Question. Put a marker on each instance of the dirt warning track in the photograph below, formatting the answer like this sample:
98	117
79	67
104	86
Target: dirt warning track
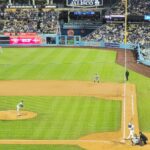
108	91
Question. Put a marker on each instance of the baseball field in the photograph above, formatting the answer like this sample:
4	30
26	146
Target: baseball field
70	111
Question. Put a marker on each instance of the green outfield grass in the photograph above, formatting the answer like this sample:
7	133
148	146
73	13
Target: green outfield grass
143	95
73	64
39	147
61	117
58	64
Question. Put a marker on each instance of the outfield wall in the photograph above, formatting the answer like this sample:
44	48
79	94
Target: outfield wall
56	40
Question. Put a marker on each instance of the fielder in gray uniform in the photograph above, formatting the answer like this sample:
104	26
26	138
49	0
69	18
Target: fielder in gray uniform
96	78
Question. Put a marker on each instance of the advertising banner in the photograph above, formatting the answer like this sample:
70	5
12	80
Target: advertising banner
20	34
28	34
25	40
112	45
84	3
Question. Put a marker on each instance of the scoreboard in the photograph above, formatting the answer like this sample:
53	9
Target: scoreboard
84	3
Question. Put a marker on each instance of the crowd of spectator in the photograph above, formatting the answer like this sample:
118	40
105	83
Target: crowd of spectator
139	7
107	33
30	20
139	33
111	32
1	17
117	9
135	7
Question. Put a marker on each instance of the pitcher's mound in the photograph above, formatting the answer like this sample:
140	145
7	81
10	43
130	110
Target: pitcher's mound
12	115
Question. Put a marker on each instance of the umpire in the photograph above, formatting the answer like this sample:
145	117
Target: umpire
143	138
127	75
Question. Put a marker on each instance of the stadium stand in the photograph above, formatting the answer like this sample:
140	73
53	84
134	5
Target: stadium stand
135	7
139	7
139	33
108	33
31	20
116	9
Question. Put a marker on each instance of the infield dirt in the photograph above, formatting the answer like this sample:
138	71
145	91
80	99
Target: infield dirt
97	141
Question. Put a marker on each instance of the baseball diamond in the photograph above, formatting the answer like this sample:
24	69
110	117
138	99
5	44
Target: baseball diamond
74	74
70	111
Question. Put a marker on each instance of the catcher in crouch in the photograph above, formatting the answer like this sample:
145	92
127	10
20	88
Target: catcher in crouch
18	107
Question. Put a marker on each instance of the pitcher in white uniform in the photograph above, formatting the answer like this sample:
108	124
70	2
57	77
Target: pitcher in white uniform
18	107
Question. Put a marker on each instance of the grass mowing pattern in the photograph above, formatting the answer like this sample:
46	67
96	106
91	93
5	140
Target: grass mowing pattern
61	117
58	64
39	147
73	64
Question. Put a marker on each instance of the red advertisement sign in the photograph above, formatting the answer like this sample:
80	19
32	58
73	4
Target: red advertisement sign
25	40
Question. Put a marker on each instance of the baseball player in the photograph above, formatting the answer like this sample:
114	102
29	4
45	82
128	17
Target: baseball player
18	107
131	129
96	78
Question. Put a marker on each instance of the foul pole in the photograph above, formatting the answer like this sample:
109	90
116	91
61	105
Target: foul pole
125	68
